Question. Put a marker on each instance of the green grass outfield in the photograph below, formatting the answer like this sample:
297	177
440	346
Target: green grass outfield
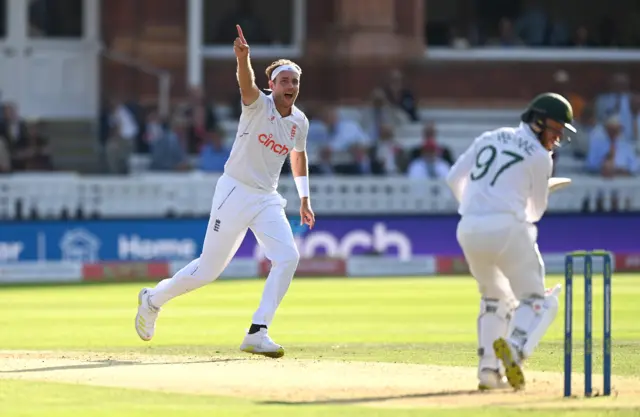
394	321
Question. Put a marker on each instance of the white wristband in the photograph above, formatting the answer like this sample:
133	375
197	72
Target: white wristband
302	184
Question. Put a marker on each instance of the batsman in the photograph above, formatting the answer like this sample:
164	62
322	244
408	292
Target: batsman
502	183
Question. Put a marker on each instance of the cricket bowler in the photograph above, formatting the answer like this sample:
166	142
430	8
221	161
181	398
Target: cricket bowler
502	184
271	128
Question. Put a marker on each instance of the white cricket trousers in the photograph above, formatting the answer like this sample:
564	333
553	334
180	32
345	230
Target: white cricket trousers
237	207
503	256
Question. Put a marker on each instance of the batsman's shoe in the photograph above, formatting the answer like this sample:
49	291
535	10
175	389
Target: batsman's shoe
490	379
147	315
511	361
260	343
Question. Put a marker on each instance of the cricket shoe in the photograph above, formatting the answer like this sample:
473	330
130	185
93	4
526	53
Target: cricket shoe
490	379
147	315
260	343
511	361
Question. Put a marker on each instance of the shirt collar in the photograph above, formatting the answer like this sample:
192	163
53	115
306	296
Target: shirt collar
530	133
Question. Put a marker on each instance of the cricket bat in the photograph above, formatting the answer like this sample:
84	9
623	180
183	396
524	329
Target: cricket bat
558	183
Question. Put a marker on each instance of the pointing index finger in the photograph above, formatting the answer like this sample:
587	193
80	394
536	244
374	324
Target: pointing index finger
240	34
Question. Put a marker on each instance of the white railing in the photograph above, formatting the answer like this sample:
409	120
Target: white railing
164	77
68	195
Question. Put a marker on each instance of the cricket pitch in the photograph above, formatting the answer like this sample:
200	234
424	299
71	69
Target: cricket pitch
295	381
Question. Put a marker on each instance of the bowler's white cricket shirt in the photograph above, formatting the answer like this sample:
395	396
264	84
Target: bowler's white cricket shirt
263	141
504	171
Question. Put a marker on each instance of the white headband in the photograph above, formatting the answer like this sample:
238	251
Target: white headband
281	68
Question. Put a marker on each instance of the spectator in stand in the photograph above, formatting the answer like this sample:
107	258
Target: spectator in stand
610	155
5	157
202	117
169	152
32	152
507	37
13	128
214	154
138	114
582	38
318	135
558	35
381	112
324	166
429	136
121	141
104	131
635	126
343	132
531	25
154	128
617	101
388	153
362	162
429	165
400	95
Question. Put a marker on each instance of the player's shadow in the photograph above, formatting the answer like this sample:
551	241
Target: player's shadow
109	363
347	401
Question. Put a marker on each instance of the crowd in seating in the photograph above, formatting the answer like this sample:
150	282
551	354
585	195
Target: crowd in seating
127	129
193	137
608	139
366	142
370	141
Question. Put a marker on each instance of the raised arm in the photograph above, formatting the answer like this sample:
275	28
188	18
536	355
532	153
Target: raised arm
246	78
300	171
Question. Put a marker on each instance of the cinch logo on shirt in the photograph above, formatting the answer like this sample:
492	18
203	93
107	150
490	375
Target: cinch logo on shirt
268	142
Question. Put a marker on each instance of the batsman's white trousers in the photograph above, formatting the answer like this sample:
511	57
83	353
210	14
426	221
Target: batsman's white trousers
503	256
237	207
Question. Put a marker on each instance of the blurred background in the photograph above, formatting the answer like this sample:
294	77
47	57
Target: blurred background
118	116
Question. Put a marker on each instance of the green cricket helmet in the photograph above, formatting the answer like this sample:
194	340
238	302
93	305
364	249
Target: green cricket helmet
550	106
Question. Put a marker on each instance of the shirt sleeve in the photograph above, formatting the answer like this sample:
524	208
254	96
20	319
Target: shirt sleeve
257	106
301	140
540	174
458	175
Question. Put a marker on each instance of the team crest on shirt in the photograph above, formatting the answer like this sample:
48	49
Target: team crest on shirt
293	131
272	118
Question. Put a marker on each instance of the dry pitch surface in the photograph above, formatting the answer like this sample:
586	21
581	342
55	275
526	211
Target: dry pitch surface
290	381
